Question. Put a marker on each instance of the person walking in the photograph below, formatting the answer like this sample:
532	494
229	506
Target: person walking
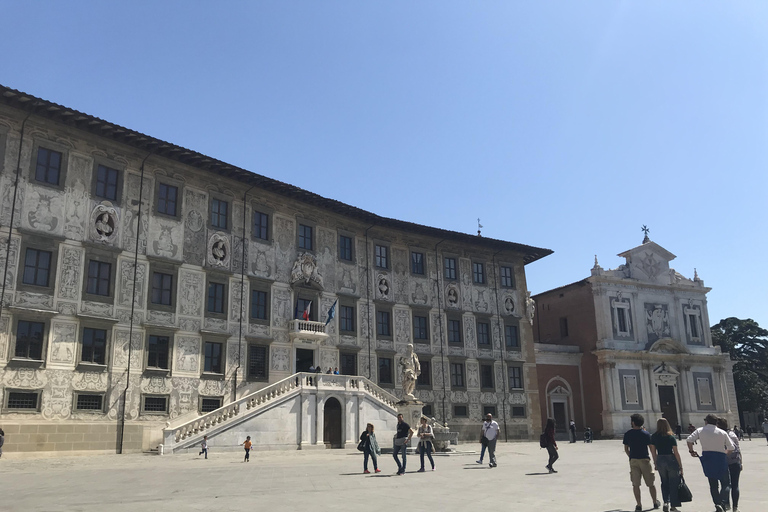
636	442
716	444
666	460
749	432
2	441
734	464
402	437
679	432
370	449
483	444
426	436
572	428
549	434
491	433
765	428
247	444
204	447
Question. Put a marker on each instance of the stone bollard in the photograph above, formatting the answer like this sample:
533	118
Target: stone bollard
160	449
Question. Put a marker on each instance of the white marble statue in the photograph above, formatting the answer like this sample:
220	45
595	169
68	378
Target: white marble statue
411	370
530	307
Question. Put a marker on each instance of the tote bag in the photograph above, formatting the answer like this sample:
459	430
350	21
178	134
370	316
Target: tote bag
683	492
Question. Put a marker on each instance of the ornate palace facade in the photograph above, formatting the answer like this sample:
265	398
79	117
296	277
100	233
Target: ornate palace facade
148	284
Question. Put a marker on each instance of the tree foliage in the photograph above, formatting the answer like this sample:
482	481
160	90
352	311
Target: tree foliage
747	343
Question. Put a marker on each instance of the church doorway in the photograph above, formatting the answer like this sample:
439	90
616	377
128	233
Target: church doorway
668	404
332	424
558	409
304	359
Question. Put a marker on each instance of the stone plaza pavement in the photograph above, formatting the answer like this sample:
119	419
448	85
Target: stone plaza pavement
592	477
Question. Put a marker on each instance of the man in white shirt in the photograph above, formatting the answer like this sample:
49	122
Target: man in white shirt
491	433
716	444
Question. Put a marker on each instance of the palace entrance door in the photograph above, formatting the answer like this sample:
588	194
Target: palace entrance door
668	405
304	359
558	408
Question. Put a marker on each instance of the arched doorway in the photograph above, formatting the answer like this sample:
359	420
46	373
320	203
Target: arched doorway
332	423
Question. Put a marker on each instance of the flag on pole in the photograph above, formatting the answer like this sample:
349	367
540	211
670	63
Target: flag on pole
331	313
305	315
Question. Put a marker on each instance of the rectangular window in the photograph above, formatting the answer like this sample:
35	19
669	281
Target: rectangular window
510	336
29	340
460	411
303	305
483	333
347	319
219	213
94	346
621	317
213	357
216	298
209	404
257	362
518	412
507	278
450	268
162	288
515	377
381	253
454	331
37	267
692	322
157	352
48	167
89	402
489	409
348	363
261	225
155	404
345	248
417	263
99	277
486	376
23	400
385	370
259	305
425	378
457	375
106	182
167	197
383	325
305	237
563	327
478	273
420	332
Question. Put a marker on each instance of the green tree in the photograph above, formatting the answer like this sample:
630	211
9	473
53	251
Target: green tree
747	343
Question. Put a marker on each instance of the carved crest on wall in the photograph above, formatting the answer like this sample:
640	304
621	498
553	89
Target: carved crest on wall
103	225
305	269
219	250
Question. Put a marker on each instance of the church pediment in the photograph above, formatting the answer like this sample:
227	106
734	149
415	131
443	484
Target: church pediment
649	262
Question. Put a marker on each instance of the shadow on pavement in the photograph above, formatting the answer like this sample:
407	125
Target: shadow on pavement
535	474
477	467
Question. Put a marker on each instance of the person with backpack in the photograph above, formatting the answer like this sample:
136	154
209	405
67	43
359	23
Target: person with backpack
548	441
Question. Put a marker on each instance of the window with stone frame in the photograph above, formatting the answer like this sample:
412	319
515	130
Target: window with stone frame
457	375
22	400
154	404
163	289
348	363
345	248
210	403
693	325
219	214
515	377
259	304
486	376
449	268
478	272
511	337
424	380
217	298
89	402
347	318
308	304
106	183
94	344
483	333
417	263
99	278
460	411
167	199
30	340
454	331
518	411
507	277
258	362
260	225
381	256
158	352
48	166
489	409
214	357
622	319
36	270
383	323
37	267
385	370
306	240
420	328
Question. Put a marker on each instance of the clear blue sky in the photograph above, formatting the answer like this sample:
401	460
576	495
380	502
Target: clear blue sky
565	125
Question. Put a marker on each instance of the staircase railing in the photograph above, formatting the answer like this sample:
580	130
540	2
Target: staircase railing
264	396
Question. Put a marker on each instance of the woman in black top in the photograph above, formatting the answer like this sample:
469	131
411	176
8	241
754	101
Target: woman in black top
666	460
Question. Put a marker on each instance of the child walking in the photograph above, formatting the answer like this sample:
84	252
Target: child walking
247	445
204	447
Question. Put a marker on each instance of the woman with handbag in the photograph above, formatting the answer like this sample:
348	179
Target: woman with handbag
426	436
666	460
370	448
